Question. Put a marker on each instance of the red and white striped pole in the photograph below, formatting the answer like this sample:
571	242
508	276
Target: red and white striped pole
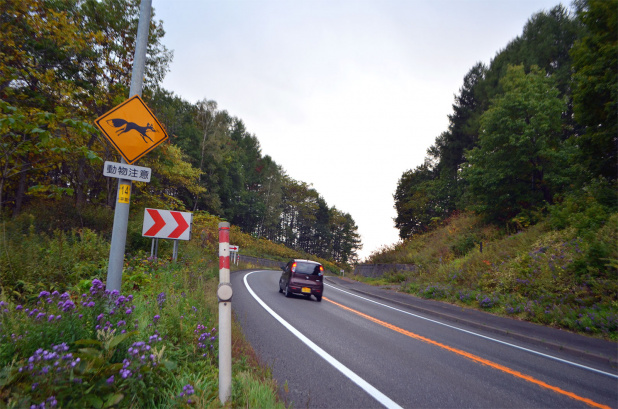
224	294
224	251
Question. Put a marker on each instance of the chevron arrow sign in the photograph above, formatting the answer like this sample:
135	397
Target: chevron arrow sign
167	224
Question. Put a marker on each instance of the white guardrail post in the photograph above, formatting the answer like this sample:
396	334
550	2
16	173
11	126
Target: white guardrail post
224	294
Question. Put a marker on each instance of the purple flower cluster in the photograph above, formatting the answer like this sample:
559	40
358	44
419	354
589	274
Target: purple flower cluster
140	355
118	306
465	296
486	301
3	307
161	300
187	391
50	366
434	291
513	309
51	401
97	288
50	307
205	339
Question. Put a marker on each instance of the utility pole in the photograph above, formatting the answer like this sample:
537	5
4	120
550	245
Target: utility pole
121	213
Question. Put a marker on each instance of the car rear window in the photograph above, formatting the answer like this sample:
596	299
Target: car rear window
307	268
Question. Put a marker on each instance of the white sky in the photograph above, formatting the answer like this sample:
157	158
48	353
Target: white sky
345	95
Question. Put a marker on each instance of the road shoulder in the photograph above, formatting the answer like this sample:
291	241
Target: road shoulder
593	349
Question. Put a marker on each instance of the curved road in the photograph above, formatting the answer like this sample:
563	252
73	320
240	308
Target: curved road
352	351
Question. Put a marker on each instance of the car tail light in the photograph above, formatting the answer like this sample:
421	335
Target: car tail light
293	268
321	270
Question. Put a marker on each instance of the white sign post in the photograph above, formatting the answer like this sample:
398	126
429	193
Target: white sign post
234	253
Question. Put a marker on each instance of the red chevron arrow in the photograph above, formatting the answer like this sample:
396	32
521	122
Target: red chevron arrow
159	223
182	225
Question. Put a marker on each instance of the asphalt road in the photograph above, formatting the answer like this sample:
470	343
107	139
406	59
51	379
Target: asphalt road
354	350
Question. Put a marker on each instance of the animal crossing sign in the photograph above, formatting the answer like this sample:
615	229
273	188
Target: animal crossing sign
132	128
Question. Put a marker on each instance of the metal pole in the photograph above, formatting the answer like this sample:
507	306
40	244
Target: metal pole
121	213
224	294
175	253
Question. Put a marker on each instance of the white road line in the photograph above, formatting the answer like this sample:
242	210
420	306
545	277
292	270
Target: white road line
479	335
376	394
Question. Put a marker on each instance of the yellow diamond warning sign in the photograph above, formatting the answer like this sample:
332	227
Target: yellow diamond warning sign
132	128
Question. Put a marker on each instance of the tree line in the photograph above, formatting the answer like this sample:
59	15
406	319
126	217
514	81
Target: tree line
536	124
63	63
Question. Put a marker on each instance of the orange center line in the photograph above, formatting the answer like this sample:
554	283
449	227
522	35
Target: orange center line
473	357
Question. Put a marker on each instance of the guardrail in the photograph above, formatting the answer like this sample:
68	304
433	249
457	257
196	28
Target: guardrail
261	262
366	270
378	270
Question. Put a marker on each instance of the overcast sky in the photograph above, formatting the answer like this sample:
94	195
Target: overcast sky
345	95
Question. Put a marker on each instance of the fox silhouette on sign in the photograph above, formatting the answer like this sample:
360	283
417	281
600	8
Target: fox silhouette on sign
126	126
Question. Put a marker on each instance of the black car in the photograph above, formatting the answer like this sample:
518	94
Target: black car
302	277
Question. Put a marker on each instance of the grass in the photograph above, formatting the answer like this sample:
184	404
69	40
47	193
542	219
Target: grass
562	277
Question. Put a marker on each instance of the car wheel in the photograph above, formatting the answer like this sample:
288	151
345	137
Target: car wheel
288	293
318	297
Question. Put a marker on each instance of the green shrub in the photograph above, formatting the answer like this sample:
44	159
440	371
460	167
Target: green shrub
464	244
586	210
55	259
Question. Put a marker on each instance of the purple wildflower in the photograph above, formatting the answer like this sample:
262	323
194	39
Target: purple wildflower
161	300
188	389
97	287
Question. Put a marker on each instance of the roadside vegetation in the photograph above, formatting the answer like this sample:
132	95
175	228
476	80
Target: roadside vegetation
561	271
527	166
66	342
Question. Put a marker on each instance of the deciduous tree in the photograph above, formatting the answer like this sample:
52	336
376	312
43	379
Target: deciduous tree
520	161
595	86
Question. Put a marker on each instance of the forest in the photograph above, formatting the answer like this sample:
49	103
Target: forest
534	129
65	63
